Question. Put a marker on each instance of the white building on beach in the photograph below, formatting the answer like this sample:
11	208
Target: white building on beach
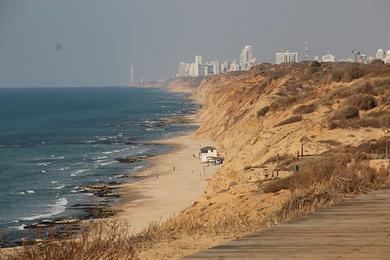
207	152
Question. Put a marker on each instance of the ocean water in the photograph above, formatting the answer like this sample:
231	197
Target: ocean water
55	140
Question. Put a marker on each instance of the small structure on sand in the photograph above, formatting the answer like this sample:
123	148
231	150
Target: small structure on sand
207	152
216	160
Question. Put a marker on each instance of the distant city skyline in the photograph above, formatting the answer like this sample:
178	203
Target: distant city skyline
94	42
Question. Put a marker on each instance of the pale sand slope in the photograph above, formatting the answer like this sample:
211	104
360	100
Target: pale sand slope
156	199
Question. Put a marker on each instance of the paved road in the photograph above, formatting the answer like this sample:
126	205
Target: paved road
358	228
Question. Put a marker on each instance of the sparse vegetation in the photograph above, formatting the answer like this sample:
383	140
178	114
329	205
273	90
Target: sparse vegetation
305	109
362	101
290	120
315	64
262	112
321	181
348	112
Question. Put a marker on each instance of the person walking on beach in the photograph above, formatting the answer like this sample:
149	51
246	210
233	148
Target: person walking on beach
174	168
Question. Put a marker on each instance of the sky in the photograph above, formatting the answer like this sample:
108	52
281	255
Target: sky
55	43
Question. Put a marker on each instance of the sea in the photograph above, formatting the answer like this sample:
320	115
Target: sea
54	141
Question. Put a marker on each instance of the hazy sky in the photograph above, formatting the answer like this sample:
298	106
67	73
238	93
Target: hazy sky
93	42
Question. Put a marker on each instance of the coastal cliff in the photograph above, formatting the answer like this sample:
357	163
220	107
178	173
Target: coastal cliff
295	137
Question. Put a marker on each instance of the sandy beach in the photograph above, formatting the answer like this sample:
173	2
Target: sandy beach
171	183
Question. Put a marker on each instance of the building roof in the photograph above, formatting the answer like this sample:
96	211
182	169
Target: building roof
207	148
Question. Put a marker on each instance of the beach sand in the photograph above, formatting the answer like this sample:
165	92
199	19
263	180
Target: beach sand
169	185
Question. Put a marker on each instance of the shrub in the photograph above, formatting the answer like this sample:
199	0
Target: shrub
340	92
377	62
385	121
385	100
348	112
262	112
289	120
305	109
370	122
337	76
363	102
315	64
366	88
356	72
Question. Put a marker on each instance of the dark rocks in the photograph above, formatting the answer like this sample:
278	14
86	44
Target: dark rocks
129	159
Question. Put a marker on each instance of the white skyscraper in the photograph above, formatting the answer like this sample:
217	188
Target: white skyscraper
283	56
198	60
216	67
247	59
380	54
387	59
183	70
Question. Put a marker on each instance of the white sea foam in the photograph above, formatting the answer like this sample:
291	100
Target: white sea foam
100	158
30	191
59	187
21	227
76	173
58	207
54	182
107	163
44	164
109	152
43	171
22	193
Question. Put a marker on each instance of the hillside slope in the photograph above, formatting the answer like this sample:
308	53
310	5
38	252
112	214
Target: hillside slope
260	119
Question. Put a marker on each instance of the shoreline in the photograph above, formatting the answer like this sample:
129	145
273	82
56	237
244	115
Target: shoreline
122	192
170	184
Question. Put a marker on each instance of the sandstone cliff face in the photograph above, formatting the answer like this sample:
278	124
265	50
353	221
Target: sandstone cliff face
241	112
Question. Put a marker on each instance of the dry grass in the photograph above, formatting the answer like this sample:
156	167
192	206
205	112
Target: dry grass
305	109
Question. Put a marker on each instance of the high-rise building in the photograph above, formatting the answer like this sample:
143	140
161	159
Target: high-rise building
247	59
224	67
283	56
208	69
132	76
234	66
216	67
198	60
183	70
328	57
387	59
380	54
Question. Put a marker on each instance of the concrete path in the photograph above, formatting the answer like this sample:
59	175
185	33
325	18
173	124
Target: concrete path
358	228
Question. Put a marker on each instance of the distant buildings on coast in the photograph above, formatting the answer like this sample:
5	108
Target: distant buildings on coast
283	56
247	60
200	69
